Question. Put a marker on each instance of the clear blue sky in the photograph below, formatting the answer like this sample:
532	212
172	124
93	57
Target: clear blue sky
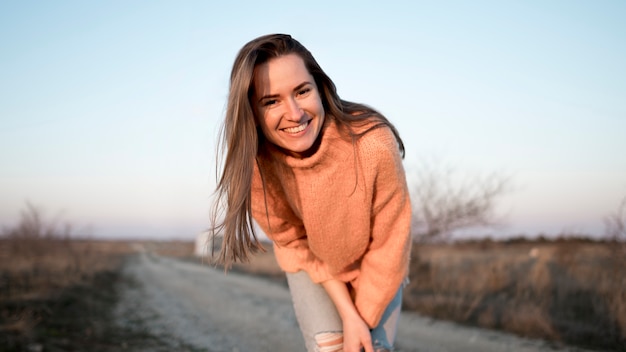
109	110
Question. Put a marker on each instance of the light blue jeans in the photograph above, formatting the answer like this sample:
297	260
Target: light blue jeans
319	320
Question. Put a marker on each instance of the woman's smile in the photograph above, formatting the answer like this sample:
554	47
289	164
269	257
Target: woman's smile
296	129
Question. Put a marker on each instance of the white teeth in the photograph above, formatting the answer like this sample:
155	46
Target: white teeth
297	128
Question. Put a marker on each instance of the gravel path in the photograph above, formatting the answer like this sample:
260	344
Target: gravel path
192	307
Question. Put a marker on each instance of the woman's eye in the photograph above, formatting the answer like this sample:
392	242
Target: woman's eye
269	102
304	91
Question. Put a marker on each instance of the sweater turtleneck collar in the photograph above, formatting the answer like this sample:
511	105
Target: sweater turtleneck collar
329	149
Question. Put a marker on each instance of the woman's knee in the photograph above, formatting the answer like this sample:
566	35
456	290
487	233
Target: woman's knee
329	341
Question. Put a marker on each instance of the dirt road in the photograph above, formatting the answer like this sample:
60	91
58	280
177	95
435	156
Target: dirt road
194	307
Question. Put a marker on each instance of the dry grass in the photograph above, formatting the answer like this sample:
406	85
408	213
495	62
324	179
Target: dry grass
32	268
566	291
50	283
173	249
39	279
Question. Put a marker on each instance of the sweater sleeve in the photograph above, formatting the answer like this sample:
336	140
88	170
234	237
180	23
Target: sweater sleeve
385	264
271	211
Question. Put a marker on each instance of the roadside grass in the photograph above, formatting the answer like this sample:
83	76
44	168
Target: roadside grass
57	293
566	291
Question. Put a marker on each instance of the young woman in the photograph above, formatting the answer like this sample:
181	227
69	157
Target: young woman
323	178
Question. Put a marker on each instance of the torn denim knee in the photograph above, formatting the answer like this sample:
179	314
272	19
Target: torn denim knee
331	341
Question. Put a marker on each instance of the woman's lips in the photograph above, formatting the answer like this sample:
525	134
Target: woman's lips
296	129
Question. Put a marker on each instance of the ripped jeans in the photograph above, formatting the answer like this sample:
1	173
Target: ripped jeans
320	322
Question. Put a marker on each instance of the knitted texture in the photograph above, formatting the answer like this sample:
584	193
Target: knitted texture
343	213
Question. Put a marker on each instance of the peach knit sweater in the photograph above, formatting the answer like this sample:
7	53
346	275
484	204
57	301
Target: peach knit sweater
342	213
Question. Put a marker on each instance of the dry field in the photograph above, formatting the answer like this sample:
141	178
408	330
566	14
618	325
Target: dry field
568	291
58	293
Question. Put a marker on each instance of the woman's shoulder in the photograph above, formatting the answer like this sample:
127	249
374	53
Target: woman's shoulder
378	138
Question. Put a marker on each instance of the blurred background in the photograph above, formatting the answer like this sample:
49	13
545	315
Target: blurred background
109	111
512	113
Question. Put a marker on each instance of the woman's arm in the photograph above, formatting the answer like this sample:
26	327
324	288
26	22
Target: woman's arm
385	264
356	333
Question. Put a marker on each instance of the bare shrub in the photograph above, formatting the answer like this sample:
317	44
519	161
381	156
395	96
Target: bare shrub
444	201
615	224
615	230
36	247
33	226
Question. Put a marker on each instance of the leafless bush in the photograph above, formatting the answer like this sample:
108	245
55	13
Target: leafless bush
444	201
615	230
615	224
38	255
30	237
32	226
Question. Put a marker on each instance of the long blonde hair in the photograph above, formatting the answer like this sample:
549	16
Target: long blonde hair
240	140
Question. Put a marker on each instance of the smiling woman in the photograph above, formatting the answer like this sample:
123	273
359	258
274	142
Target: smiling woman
323	178
287	104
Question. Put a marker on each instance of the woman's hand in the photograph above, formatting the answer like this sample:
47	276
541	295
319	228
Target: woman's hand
356	333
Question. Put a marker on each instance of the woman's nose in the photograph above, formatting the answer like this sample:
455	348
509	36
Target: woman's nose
294	112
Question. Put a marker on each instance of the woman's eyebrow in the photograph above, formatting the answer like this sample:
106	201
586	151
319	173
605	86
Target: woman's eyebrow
269	96
272	96
299	86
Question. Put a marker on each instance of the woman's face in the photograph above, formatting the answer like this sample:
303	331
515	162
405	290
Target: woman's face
287	103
